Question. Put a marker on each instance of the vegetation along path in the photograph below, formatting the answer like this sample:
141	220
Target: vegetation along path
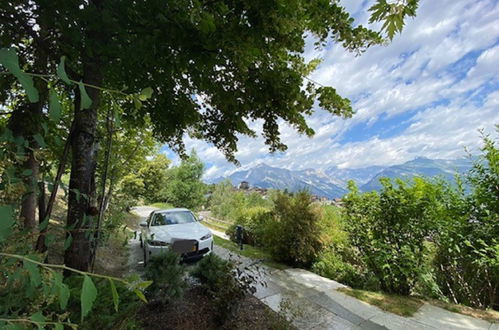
314	302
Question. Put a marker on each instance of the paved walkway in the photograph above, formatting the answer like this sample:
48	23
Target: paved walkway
313	302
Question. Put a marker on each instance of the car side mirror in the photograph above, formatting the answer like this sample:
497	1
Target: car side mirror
200	218
143	224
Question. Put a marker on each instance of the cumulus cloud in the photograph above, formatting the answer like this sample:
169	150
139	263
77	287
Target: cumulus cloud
440	78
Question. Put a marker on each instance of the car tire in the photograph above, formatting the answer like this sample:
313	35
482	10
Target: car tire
145	256
141	242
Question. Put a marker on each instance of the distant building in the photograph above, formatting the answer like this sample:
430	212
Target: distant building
338	202
244	185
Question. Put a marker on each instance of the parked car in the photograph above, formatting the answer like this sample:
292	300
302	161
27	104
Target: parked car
176	229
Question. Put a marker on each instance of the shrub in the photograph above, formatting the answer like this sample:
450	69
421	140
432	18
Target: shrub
255	221
223	283
389	230
467	258
294	235
331	265
167	275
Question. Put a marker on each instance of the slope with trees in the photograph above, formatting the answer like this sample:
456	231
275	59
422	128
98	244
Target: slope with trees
78	75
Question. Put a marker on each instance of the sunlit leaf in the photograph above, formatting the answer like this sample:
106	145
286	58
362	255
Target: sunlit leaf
54	107
114	292
144	285
140	295
9	59
61	71
137	103
145	94
85	101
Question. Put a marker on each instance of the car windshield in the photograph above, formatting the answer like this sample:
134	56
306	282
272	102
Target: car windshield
173	218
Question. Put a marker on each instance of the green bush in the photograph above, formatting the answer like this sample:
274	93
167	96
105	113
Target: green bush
389	230
331	265
467	258
223	283
167	275
254	221
294	235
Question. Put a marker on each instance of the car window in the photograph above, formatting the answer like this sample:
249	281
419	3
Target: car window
172	218
158	220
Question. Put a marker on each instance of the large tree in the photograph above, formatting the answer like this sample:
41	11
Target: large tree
212	66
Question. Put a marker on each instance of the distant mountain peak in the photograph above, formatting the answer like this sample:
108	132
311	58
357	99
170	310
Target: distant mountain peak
332	181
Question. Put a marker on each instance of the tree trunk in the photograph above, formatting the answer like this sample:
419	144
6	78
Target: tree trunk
40	243
81	206
25	122
47	211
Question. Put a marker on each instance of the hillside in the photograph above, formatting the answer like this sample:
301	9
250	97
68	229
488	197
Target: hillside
423	167
332	182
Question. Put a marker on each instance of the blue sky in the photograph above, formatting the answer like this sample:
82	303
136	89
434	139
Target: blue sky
425	94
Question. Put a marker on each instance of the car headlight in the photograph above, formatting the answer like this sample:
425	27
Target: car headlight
158	243
206	236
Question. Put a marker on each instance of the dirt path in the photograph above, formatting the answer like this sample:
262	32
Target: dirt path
136	256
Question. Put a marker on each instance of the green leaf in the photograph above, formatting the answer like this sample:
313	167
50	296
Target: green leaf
27	172
116	298
137	103
62	290
40	140
88	295
145	94
9	59
68	241
58	326
7	216
54	107
140	295
85	101
49	239
34	272
61	71
43	225
39	318
144	285
64	294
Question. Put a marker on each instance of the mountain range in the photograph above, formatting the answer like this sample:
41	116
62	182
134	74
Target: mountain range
332	182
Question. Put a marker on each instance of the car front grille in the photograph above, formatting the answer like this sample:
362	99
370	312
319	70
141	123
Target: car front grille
196	253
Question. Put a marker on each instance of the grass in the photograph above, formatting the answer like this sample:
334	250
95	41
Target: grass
400	305
248	251
214	226
487	315
161	205
407	306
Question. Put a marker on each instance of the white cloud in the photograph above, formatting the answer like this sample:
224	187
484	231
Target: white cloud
415	77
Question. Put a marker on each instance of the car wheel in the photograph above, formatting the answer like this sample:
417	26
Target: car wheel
145	256
140	239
